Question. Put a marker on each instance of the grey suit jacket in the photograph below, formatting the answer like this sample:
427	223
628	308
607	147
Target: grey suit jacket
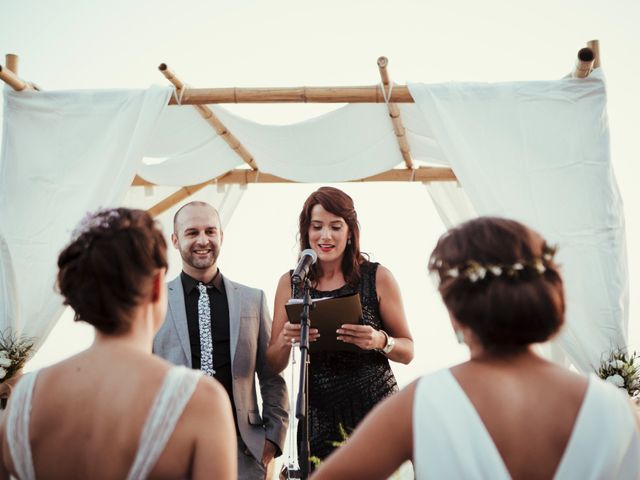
250	330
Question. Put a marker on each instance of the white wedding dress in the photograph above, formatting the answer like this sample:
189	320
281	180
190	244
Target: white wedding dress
174	394
450	440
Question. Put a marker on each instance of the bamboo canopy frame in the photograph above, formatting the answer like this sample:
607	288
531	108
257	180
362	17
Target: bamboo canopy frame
587	59
394	113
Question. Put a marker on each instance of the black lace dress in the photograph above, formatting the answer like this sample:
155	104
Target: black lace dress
345	386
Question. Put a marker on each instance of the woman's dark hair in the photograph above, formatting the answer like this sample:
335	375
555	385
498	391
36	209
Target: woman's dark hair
106	269
339	203
498	277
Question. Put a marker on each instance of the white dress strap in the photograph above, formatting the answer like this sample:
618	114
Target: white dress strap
176	390
18	427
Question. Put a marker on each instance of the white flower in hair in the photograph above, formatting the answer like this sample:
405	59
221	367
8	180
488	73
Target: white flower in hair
540	268
616	364
496	270
482	272
518	266
453	273
3	373
616	379
5	362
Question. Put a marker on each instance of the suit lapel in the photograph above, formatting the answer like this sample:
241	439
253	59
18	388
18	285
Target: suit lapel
178	315
234	300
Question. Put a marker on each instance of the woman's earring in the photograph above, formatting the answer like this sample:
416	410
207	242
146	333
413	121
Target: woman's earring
460	336
349	241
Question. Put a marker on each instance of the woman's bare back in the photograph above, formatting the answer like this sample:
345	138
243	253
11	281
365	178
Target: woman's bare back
528	406
88	414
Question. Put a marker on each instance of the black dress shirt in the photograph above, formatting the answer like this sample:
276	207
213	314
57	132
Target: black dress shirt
219	327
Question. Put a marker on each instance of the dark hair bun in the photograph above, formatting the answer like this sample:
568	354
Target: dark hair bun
498	277
106	269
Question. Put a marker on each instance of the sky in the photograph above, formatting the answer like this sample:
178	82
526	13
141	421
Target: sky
86	44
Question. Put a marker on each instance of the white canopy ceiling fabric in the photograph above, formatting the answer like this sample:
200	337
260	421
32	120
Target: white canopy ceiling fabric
348	143
63	154
539	152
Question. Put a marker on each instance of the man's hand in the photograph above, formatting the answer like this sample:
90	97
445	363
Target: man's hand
269	452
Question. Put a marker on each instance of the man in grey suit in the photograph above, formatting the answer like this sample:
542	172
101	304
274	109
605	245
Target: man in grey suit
223	328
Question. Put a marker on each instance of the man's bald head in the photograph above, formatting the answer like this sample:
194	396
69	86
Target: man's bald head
184	211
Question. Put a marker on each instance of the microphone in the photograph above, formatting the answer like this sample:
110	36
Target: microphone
307	258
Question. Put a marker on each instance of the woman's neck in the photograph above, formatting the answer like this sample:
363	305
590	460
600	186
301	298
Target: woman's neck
139	336
332	276
331	269
485	356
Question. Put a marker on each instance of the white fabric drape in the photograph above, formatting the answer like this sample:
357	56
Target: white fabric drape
9	302
451	202
539	152
534	151
348	143
63	154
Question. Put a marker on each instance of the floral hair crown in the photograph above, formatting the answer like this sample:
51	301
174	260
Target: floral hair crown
100	220
475	271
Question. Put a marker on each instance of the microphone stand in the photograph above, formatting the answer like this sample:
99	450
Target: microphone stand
302	402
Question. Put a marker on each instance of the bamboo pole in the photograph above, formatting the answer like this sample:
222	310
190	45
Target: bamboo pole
584	63
211	119
15	82
594	45
365	94
175	198
11	61
245	176
394	113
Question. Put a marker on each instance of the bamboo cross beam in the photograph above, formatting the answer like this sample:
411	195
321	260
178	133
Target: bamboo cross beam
366	94
175	198
394	113
211	119
244	176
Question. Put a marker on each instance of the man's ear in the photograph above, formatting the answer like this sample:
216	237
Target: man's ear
174	241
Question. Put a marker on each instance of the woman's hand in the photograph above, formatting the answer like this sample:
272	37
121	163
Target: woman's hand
364	336
290	334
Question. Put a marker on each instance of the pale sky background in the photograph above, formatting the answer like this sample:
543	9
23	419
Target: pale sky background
86	44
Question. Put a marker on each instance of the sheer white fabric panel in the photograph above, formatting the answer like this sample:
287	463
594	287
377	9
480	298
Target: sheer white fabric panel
349	143
9	306
185	150
451	202
539	152
63	154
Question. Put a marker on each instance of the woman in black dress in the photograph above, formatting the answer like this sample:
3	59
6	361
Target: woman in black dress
343	386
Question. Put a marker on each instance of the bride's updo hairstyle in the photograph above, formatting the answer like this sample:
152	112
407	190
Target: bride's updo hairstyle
107	268
498	277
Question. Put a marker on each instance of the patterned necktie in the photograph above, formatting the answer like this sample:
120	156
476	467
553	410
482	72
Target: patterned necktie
206	341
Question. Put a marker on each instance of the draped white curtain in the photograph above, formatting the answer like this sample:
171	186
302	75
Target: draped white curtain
539	152
63	154
534	151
